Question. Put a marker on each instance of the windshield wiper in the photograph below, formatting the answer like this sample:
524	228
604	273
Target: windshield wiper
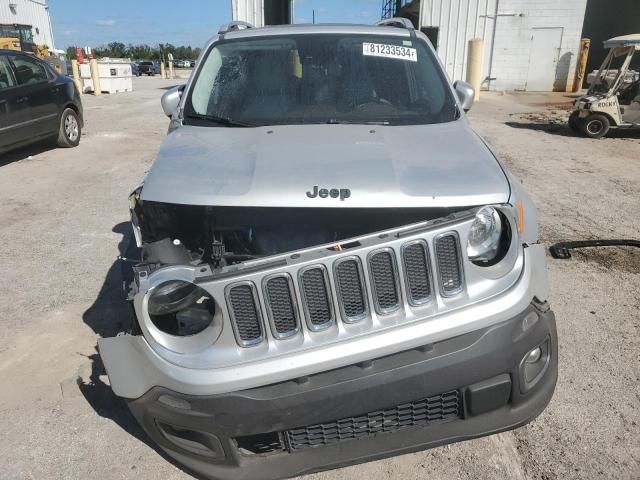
335	121
229	122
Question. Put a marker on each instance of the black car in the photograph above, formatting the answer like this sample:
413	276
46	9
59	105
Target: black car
36	103
149	68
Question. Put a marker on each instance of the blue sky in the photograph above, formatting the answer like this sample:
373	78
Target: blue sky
186	22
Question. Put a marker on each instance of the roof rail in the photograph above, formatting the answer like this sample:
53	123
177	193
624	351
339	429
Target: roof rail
396	22
232	26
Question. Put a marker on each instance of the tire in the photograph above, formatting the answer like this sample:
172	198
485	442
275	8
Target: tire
70	129
595	125
574	122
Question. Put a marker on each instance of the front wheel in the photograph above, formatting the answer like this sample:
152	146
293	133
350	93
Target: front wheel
70	130
595	126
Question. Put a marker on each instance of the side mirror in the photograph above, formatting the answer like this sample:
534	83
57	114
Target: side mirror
171	99
466	94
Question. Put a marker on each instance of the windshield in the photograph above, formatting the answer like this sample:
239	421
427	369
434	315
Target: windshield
322	78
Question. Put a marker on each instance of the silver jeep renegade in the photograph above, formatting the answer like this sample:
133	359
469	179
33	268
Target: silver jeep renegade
334	267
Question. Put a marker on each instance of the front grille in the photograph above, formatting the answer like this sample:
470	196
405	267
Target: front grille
317	297
280	301
416	266
420	413
245	314
384	279
449	264
350	288
287	297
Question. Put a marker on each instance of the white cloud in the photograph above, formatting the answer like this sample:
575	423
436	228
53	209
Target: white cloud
106	22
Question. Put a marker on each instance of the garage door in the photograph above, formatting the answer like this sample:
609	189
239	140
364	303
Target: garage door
543	59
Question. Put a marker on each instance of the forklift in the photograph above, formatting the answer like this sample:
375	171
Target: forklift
613	98
20	39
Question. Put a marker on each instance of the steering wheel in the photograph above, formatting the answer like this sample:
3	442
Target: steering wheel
374	100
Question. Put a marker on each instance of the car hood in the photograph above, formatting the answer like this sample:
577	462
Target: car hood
443	165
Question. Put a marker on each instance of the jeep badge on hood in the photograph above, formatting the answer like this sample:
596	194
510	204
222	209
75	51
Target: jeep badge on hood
341	193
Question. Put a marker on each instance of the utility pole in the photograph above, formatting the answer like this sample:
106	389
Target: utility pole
314	16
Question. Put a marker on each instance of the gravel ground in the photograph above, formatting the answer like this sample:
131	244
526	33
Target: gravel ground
63	214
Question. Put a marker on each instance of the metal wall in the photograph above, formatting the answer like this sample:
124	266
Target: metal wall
251	11
29	12
605	19
262	12
459	21
507	28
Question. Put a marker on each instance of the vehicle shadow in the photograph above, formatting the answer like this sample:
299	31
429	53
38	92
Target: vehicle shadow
562	129
110	314
552	128
26	152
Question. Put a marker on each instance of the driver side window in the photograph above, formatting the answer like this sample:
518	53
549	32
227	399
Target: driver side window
6	76
29	71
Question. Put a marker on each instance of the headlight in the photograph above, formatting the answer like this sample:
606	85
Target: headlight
485	235
180	308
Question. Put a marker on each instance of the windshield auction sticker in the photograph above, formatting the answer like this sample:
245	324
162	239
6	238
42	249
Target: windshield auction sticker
389	51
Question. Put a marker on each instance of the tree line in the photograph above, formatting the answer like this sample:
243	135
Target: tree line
141	52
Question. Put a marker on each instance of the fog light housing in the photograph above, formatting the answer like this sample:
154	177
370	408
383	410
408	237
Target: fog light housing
533	356
534	364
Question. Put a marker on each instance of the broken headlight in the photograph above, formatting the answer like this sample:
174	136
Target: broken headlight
134	205
180	308
487	237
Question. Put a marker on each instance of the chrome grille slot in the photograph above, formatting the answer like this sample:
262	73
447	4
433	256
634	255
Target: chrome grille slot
316	297
280	301
244	309
352	296
449	264
384	279
417	271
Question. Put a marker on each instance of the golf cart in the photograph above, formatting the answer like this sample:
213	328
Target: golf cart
613	98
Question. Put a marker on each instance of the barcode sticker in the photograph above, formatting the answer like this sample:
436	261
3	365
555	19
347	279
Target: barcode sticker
389	51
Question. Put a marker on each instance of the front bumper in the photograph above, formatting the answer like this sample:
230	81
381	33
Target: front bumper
224	435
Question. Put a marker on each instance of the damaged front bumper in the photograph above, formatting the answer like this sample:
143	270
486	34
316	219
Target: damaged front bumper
448	391
222	408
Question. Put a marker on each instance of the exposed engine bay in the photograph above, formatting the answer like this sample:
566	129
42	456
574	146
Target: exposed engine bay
223	236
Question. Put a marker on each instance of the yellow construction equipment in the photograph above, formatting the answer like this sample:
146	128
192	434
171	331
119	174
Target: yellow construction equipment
10	43
19	37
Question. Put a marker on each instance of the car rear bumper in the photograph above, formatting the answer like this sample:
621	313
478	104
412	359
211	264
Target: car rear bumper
457	389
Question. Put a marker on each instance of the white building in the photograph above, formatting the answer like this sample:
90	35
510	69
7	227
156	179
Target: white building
262	12
528	44
27	13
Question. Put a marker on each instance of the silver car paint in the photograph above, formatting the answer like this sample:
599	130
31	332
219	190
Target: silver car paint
134	367
408	166
430	165
212	348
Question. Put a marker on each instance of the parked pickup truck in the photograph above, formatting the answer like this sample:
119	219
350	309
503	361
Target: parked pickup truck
149	68
334	267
